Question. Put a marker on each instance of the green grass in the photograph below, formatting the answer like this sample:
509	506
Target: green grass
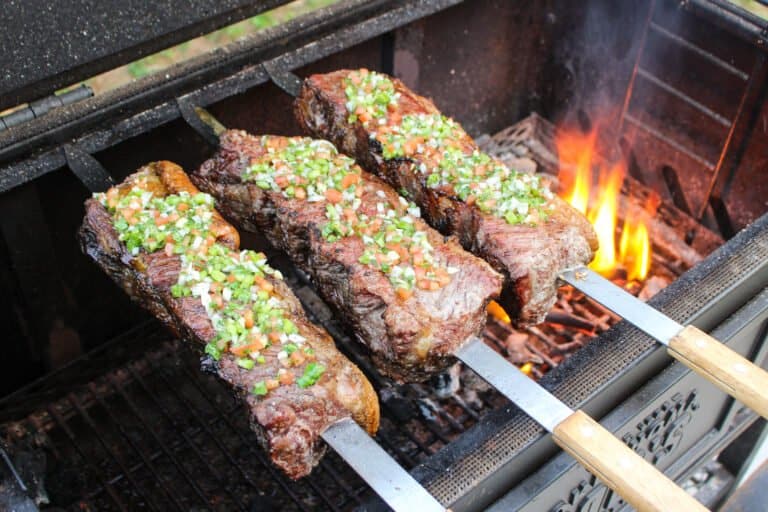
170	56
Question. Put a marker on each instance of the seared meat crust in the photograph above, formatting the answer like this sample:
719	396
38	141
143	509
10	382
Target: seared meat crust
411	338
289	420
529	256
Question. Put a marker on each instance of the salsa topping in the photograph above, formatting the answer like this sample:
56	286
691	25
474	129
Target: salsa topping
234	287
473	176
314	171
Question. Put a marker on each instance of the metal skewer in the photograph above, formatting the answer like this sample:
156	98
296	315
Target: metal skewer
697	350
620	468
732	373
385	476
613	462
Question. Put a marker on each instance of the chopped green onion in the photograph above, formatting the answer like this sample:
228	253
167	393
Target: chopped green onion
312	373
260	388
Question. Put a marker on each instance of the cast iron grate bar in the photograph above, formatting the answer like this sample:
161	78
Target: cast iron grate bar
107	449
94	470
137	414
667	140
717	61
203	424
696	105
280	479
146	461
183	431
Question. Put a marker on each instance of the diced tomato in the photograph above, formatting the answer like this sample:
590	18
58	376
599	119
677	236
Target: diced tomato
274	336
404	293
333	196
349	179
241	350
282	181
300	193
248	318
182	207
286	378
272	384
297	357
263	284
169	249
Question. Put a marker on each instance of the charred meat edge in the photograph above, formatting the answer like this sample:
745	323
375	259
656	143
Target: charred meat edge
530	257
289	420
410	339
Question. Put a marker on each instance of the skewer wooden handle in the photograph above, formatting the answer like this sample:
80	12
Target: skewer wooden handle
737	376
617	466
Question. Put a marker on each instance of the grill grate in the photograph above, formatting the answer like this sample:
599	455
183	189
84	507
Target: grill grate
156	433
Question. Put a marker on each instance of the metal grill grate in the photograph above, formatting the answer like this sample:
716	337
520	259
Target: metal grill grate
156	433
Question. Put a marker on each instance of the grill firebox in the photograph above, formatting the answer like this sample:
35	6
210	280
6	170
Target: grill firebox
134	423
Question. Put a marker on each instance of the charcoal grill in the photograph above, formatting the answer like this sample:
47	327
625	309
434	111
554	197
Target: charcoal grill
135	423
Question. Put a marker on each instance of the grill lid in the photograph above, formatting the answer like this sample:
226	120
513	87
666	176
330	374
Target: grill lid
49	45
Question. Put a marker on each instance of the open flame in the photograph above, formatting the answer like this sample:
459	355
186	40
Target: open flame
576	153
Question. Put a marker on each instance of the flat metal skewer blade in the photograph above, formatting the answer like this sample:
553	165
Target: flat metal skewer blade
614	298
537	402
216	127
385	476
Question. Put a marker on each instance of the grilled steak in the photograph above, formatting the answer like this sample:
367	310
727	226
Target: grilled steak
160	239
411	295
508	219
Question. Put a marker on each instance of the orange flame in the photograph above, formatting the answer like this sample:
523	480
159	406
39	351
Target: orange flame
603	218
576	153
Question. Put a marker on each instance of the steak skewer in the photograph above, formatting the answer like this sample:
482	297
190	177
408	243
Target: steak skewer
529	235
509	219
411	296
639	482
160	239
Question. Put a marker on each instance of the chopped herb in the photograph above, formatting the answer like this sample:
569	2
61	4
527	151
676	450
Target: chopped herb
393	242
248	364
312	373
234	287
260	388
473	176
212	350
